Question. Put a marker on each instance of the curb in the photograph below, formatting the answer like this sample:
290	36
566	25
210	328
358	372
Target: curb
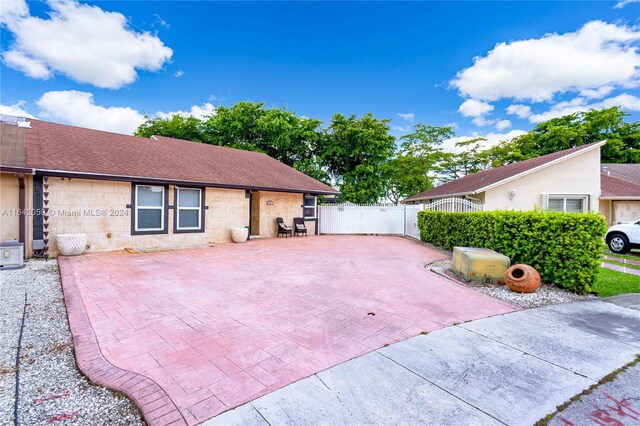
152	401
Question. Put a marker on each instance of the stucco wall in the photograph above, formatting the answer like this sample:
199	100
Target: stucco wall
9	206
9	221
227	208
577	175
285	205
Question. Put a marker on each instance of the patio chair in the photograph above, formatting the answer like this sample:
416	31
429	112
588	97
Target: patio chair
299	226
283	229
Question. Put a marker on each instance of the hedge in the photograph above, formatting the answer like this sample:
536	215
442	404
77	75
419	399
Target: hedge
565	248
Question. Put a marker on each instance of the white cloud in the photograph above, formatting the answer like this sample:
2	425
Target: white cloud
503	124
198	111
475	108
160	21
16	109
407	117
598	55
519	110
598	93
79	109
179	74
624	100
83	42
492	139
623	3
402	129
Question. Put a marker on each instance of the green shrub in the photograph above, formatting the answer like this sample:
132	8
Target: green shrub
566	248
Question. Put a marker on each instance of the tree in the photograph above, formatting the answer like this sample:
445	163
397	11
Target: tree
276	132
470	160
557	134
356	154
412	170
188	128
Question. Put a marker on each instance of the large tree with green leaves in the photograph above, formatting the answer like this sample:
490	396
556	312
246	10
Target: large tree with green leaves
356	153
623	138
250	126
412	169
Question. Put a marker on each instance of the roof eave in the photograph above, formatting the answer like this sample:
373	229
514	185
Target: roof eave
540	167
620	197
143	179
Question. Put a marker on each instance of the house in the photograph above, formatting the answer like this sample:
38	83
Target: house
568	180
126	191
620	192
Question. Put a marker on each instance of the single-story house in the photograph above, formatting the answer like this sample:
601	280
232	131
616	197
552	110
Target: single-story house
126	191
620	197
571	180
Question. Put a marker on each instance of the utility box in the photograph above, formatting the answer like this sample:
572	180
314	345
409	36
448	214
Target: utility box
11	255
480	265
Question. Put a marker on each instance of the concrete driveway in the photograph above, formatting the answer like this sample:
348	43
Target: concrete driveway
512	369
190	334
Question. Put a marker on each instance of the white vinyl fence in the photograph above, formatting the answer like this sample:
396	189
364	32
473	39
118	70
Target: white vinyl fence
361	219
383	219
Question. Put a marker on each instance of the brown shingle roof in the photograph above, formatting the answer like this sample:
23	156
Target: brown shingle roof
13	140
59	147
629	172
476	181
612	187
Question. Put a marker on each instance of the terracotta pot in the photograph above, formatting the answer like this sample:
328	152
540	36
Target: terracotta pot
522	278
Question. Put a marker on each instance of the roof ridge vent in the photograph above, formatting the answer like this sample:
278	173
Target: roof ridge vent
154	138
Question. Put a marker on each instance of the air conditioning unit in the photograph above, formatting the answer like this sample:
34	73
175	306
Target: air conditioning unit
11	255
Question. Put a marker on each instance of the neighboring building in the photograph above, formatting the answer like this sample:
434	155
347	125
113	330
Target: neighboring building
567	180
126	191
620	198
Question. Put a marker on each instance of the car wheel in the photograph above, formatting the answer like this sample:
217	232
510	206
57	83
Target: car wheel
618	243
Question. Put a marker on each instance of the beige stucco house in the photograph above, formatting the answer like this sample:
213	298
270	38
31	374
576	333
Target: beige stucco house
125	191
620	196
569	180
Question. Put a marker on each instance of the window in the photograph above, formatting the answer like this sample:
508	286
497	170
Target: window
568	204
149	208
188	209
310	206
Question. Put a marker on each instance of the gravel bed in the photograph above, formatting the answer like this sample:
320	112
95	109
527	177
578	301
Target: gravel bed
547	294
52	389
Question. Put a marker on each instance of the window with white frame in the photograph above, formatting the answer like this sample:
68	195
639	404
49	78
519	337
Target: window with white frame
567	203
188	209
149	208
310	206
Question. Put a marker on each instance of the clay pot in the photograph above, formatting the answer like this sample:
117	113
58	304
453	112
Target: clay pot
522	278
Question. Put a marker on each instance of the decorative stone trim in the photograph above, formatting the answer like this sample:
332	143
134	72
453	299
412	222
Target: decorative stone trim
154	403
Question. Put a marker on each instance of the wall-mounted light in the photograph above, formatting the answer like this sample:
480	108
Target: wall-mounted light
269	202
512	194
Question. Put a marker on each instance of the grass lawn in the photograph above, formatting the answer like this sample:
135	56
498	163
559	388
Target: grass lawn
633	254
609	283
628	265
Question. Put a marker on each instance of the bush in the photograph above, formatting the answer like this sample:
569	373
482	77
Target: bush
565	248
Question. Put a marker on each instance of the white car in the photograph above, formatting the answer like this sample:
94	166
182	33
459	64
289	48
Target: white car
622	238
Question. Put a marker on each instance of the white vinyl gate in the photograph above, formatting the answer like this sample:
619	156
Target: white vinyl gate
381	219
361	219
411	221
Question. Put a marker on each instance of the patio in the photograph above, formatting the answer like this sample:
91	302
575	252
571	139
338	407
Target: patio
190	334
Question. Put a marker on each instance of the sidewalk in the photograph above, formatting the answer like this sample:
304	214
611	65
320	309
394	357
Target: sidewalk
511	369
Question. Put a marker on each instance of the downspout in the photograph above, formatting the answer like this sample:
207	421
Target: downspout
22	207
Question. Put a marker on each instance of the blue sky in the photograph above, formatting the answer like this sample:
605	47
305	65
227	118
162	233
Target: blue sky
104	64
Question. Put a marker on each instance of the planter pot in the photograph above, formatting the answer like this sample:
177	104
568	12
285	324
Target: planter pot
71	244
239	235
522	279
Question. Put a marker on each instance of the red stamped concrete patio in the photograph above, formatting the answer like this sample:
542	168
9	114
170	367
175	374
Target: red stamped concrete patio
217	327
